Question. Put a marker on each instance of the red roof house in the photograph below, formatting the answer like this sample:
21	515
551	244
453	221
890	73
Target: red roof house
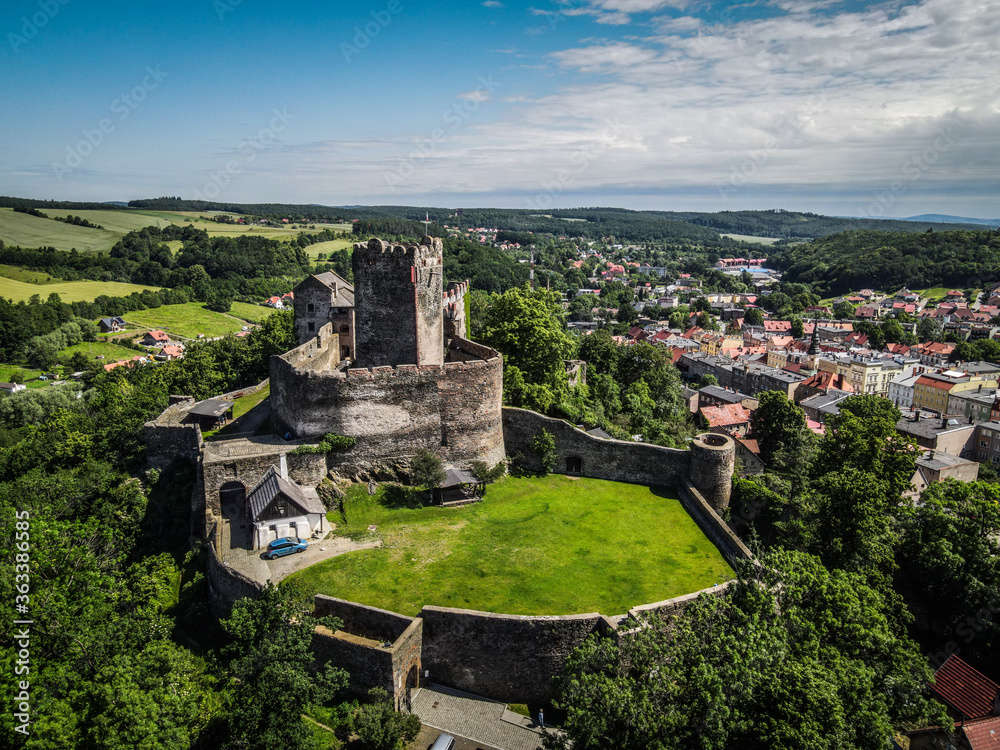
967	691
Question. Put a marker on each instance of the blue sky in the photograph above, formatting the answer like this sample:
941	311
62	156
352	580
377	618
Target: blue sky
844	108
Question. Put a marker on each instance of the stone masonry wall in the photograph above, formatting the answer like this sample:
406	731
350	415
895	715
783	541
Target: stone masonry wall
360	619
168	439
617	460
504	657
453	410
385	314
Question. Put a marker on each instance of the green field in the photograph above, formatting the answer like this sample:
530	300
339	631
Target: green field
119	222
29	231
250	313
23	274
543	546
110	352
25	230
68	291
749	238
185	321
936	293
27	375
328	247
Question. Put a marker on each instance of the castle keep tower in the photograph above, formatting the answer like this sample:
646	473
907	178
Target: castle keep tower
397	312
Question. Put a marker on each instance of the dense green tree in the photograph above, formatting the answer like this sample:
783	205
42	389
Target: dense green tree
776	424
380	727
427	470
951	545
753	317
527	328
271	637
776	662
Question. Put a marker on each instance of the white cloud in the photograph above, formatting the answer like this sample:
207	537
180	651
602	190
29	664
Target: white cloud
493	4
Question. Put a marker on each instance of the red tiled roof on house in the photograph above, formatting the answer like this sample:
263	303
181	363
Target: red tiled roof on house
983	734
158	336
935	383
968	691
750	444
729	415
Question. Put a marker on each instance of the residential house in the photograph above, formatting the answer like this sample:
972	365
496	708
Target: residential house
976	405
821	406
155	338
748	454
716	395
111	325
728	420
967	692
171	351
8	389
275	302
934	466
278	507
943	434
821	383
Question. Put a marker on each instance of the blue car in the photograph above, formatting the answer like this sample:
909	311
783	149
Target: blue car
288	545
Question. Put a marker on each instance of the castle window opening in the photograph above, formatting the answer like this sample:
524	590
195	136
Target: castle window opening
312	327
312	308
345	352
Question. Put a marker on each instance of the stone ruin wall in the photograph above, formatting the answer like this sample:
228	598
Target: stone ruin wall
397	303
453	410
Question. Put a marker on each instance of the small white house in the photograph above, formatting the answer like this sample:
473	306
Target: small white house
8	389
278	507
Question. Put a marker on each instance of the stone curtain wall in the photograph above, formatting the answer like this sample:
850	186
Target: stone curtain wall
710	466
360	650
453	410
504	657
616	460
168	439
360	619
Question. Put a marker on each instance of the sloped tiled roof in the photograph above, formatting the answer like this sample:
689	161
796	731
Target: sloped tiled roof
271	485
983	734
965	689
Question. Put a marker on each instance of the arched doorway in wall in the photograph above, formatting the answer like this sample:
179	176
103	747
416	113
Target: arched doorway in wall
574	465
412	682
233	501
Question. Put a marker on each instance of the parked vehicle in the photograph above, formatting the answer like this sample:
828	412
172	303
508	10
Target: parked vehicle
288	545
443	742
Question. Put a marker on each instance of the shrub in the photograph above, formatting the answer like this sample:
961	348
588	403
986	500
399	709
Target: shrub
543	445
482	471
331	443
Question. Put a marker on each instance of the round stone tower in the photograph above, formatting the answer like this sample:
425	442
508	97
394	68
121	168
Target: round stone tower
713	459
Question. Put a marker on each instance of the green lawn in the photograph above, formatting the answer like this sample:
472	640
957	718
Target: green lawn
328	247
542	546
250	313
68	291
111	352
27	375
185	321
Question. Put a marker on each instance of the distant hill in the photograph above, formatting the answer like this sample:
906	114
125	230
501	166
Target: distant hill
946	219
890	260
701	228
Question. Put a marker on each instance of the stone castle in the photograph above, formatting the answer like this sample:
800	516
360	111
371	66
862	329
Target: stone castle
386	361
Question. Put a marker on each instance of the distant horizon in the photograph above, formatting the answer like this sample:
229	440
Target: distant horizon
567	207
860	108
